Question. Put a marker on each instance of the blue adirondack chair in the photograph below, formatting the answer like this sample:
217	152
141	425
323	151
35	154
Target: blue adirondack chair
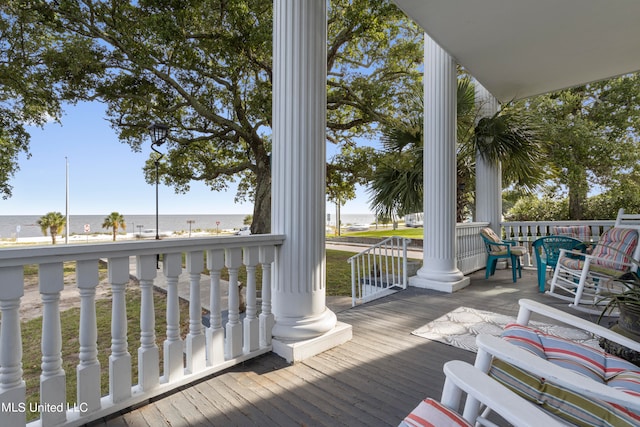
501	249
547	251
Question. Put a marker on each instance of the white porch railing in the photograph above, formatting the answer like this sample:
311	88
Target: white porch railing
471	254
379	270
201	353
519	229
526	232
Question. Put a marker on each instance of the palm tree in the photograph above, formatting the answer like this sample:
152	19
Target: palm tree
397	187
114	221
52	222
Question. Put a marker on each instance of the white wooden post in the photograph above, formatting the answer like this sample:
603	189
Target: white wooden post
215	331
196	353
233	344
12	386
488	174
266	316
120	359
148	354
173	345
251	323
52	379
88	370
299	153
439	270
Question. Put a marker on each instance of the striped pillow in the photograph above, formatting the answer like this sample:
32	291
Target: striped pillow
615	246
594	363
431	413
580	232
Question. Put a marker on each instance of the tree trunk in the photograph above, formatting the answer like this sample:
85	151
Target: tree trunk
262	202
578	189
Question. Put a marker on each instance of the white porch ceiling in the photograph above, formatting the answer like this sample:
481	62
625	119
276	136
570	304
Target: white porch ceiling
520	48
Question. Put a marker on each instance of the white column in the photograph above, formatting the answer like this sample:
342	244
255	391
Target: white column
298	170
215	332
173	345
439	270
233	342
148	352
88	370
267	319
195	342
488	175
12	385
53	378
251	324
120	358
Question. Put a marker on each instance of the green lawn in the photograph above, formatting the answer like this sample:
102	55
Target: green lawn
338	273
412	233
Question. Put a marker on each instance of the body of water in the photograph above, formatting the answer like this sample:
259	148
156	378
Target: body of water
26	225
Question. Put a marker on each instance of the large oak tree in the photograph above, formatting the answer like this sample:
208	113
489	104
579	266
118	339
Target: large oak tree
204	68
593	135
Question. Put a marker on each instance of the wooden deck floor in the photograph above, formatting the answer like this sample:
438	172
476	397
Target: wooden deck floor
373	380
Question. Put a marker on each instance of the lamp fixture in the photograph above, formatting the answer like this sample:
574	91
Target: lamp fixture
158	132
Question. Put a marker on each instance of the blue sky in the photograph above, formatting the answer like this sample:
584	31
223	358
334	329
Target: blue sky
105	175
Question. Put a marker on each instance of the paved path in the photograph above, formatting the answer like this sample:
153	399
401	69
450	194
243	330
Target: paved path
357	248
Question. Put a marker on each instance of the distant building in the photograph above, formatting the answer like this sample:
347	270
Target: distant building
414	220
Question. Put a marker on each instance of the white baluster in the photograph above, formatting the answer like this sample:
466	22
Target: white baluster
173	345
120	359
88	370
215	332
196	353
233	344
251	323
12	386
52	379
267	318
148	353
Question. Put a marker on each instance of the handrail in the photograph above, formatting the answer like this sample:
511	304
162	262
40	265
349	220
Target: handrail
378	269
202	352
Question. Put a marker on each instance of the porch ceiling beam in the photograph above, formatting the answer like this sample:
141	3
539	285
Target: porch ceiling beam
521	48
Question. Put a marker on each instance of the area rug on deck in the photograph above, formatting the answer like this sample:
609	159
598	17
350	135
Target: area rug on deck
459	328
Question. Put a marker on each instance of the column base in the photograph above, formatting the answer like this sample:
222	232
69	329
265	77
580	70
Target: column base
439	284
303	328
295	351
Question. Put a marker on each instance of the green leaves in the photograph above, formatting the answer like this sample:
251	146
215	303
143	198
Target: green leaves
28	94
592	135
53	222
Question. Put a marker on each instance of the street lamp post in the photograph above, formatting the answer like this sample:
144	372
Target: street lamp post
158	134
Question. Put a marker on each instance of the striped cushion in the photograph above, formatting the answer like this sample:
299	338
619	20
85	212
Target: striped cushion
572	407
580	232
431	413
615	246
594	363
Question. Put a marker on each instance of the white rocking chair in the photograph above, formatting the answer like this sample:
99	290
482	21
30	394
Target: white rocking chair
580	384
585	279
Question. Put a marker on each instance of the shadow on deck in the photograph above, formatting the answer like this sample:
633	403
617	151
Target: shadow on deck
373	380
